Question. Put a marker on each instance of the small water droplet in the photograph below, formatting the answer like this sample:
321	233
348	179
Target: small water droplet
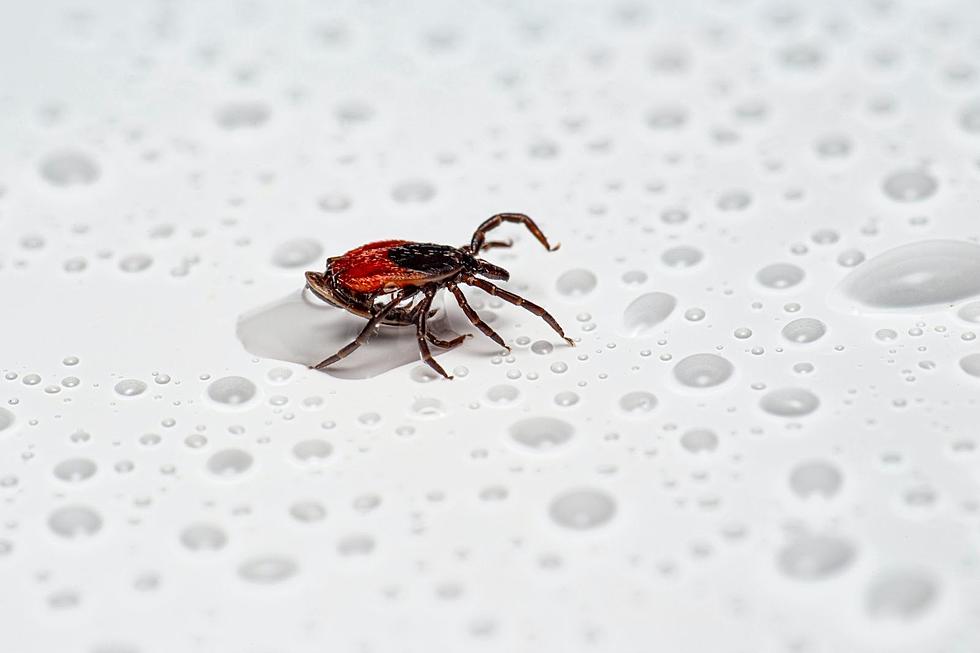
582	509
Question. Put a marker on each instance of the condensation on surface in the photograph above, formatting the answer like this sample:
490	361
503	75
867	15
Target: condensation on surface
764	438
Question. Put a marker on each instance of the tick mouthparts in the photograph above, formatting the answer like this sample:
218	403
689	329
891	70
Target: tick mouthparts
314	279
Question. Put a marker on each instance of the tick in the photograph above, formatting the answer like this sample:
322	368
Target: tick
393	282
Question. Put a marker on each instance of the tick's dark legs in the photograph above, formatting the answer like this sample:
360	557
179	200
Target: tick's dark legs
479	243
495	244
446	344
517	300
475	318
368	329
421	333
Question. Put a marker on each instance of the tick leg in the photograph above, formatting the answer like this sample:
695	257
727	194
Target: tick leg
420	331
517	300
475	318
479	243
495	244
446	344
367	331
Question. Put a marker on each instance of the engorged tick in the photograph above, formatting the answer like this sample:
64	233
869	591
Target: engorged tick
381	281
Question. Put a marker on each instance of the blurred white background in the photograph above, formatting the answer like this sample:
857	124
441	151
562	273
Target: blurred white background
765	439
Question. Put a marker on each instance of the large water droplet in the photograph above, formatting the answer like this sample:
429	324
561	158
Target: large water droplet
312	450
789	402
75	470
541	433
909	185
75	522
229	462
815	557
804	330
779	276
647	311
703	370
301	329
638	403
203	537
69	168
815	477
582	509
130	387
232	390
6	419
699	439
926	274
576	283
297	253
971	364
901	594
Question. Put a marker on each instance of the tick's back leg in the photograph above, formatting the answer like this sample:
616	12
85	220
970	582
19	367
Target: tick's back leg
421	334
447	344
367	331
517	300
475	318
479	243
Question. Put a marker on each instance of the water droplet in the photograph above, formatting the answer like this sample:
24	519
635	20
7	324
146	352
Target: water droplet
780	276
75	522
582	509
804	330
850	257
428	407
413	191
542	347
815	557
308	511
901	594
242	115
229	462
909	185
789	402
638	402
699	439
69	168
334	202
502	394
232	390
647	311
925	274
6	419
130	387
703	370
301	329
815	477
541	433
566	398
682	256
971	364
312	450
268	570
203	537
355	544
135	262
75	470
297	253
969	312
576	283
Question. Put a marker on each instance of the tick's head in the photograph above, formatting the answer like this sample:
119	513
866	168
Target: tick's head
489	270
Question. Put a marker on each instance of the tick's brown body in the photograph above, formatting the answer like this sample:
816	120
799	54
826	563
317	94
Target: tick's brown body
381	280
